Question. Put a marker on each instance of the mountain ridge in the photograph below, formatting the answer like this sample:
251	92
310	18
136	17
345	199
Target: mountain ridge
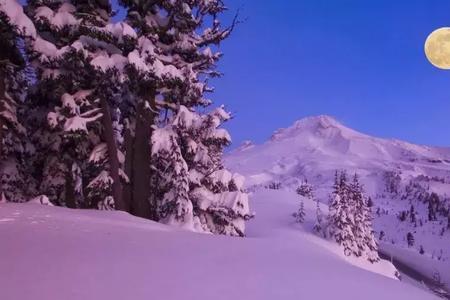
325	141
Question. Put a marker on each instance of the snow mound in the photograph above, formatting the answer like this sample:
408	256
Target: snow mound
50	252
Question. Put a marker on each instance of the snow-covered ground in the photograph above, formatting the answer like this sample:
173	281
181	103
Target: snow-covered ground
58	253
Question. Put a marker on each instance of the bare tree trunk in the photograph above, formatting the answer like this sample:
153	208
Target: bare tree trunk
108	135
141	161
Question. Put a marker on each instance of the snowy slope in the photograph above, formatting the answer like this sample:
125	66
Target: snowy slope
57	253
315	147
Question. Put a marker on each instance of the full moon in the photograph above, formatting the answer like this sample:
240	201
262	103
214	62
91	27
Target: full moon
437	48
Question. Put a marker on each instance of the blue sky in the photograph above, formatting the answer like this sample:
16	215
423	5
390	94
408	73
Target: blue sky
360	61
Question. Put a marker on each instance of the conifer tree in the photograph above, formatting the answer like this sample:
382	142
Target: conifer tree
117	114
410	239
341	221
79	60
16	30
318	225
364	233
300	214
350	219
305	190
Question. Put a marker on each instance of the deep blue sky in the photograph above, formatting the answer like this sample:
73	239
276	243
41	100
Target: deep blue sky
360	61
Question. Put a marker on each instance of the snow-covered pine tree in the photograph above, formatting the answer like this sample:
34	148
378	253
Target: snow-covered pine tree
305	190
318	224
16	30
147	76
300	214
82	53
171	177
410	239
179	29
412	214
219	204
433	204
340	219
363	230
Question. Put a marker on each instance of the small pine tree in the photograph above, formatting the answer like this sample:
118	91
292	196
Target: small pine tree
448	221
412	214
305	190
410	239
300	214
318	225
433	204
421	251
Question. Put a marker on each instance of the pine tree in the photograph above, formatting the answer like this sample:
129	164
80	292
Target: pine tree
412	214
181	86
421	251
318	225
350	219
364	234
410	239
433	204
448	222
16	30
117	114
305	190
79	67
219	204
300	214
172	178
341	221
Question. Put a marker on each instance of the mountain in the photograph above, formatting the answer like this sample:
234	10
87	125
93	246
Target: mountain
409	184
314	148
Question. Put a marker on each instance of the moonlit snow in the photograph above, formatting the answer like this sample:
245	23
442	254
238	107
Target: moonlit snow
58	253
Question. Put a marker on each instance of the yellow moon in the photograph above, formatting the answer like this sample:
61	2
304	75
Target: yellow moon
437	48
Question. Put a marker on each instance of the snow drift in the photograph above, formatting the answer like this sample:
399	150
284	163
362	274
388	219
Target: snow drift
57	253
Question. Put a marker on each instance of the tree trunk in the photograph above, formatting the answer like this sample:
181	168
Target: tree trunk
128	168
70	189
2	99
108	135
141	161
2	96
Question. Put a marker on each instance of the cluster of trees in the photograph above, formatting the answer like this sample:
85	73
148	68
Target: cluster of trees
306	190
97	113
350	219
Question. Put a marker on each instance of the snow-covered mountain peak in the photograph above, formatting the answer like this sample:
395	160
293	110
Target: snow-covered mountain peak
245	145
320	121
322	126
315	147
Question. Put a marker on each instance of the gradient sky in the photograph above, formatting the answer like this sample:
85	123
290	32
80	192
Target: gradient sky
360	61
